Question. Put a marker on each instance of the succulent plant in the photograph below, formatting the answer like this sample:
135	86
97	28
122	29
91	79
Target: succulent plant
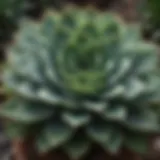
80	77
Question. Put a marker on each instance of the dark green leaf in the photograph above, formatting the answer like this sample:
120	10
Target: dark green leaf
115	141
53	135
26	112
146	121
77	147
138	143
105	135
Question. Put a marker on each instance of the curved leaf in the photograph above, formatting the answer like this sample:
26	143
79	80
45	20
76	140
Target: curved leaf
116	113
137	142
105	135
95	106
77	147
53	135
144	122
26	112
134	88
76	119
115	141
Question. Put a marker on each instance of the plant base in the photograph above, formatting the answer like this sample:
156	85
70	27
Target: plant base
25	151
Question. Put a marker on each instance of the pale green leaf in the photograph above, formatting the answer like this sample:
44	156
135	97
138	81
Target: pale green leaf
76	119
116	113
95	106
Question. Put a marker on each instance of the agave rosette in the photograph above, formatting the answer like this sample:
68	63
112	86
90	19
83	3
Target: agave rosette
83	77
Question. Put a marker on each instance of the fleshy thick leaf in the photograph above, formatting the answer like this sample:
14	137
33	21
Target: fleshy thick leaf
26	112
146	122
77	147
138	143
135	88
116	113
115	142
95	106
105	135
116	91
76	119
53	135
99	132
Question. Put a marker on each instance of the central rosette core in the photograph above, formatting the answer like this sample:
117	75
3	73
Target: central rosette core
82	64
82	69
84	52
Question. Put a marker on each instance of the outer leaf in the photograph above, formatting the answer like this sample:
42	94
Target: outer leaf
115	142
26	112
99	132
27	89
105	135
77	147
137	142
134	88
147	122
53	135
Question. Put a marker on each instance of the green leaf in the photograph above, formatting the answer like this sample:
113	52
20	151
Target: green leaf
122	67
134	88
146	121
49	96
105	135
116	113
99	132
53	135
77	147
95	106
138	143
48	28
117	91
26	112
115	141
76	119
